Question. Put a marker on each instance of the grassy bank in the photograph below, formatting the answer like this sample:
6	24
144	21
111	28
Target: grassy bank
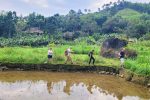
140	65
39	55
29	55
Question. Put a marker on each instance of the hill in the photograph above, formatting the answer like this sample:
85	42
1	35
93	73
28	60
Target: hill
122	17
129	15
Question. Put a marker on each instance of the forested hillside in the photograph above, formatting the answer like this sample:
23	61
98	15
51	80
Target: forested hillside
119	18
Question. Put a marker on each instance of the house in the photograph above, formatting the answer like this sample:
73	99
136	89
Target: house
34	30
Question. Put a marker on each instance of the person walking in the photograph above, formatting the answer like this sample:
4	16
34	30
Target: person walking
91	57
68	55
122	56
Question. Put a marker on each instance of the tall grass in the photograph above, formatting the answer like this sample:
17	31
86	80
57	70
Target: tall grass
39	55
140	65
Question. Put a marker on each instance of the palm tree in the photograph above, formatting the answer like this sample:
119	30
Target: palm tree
104	6
99	9
85	10
89	10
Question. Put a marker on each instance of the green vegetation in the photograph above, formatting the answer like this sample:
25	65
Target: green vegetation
121	17
24	39
39	55
140	65
30	55
130	15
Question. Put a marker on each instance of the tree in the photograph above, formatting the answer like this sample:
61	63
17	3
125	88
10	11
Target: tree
114	25
31	20
85	10
51	26
9	26
147	24
89	10
35	20
89	27
136	30
79	12
21	25
99	9
101	20
40	20
145	17
2	25
72	22
141	29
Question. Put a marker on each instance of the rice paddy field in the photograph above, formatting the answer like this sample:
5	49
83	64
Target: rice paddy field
30	55
140	65
39	55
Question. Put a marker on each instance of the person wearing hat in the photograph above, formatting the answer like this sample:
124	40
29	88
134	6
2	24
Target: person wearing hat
68	55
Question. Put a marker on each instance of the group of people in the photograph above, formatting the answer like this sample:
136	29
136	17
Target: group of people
68	52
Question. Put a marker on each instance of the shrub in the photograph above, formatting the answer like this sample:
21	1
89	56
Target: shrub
130	53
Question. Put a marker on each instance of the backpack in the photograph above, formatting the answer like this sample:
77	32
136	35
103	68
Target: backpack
66	52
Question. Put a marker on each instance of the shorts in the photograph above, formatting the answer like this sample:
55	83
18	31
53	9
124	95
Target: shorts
122	60
49	56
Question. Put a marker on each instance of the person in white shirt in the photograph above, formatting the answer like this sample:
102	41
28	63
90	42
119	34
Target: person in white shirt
68	56
50	54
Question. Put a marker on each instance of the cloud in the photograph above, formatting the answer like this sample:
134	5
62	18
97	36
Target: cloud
141	1
99	3
51	7
39	3
5	5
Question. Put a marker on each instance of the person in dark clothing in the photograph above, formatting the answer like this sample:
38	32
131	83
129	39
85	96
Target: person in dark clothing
122	56
91	57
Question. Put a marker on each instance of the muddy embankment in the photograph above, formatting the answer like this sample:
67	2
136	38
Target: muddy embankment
128	76
57	68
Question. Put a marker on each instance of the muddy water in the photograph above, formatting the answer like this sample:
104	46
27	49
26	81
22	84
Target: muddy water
67	86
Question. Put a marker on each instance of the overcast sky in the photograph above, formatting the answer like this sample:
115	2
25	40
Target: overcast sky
50	7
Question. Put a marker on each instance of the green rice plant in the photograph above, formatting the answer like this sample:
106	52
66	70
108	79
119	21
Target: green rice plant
143	69
35	55
140	65
60	58
129	64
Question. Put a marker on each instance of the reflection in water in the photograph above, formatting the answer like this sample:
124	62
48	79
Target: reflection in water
42	90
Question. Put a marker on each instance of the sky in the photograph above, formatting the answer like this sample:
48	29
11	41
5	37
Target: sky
51	7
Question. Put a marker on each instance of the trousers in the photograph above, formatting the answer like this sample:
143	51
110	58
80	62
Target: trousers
92	58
